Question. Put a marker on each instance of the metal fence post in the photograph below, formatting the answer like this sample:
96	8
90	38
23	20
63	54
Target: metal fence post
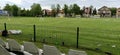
34	27
5	26
77	44
5	32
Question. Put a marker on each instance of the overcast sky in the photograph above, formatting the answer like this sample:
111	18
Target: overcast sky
46	4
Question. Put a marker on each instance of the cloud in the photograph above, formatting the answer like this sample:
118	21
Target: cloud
15	1
111	0
83	0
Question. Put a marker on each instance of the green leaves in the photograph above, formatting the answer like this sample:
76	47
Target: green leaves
36	9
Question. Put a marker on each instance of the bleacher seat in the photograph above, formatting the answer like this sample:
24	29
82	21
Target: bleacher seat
51	50
32	48
3	51
75	52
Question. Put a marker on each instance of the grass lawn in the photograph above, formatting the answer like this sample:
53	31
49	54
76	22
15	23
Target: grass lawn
101	34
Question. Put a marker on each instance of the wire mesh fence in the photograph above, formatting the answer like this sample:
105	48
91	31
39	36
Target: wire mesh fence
106	41
57	35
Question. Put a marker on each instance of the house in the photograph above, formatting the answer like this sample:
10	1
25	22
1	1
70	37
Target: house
118	12
104	11
86	12
2	12
61	13
47	12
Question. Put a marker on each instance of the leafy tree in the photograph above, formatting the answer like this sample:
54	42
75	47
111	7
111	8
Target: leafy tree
113	11
81	12
19	11
70	10
23	12
94	11
76	9
58	8
53	10
27	12
65	9
36	9
15	10
83	8
8	8
91	10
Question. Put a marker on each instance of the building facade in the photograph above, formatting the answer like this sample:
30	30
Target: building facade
2	12
86	12
104	11
118	12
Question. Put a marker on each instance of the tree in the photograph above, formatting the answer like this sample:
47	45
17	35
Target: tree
27	12
83	8
15	10
81	12
76	9
70	10
53	10
94	11
19	11
8	8
113	11
23	12
36	9
65	9
91	10
58	8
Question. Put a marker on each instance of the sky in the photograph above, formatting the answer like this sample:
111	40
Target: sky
46	4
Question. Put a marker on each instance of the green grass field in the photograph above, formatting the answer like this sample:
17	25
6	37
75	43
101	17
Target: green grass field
101	33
